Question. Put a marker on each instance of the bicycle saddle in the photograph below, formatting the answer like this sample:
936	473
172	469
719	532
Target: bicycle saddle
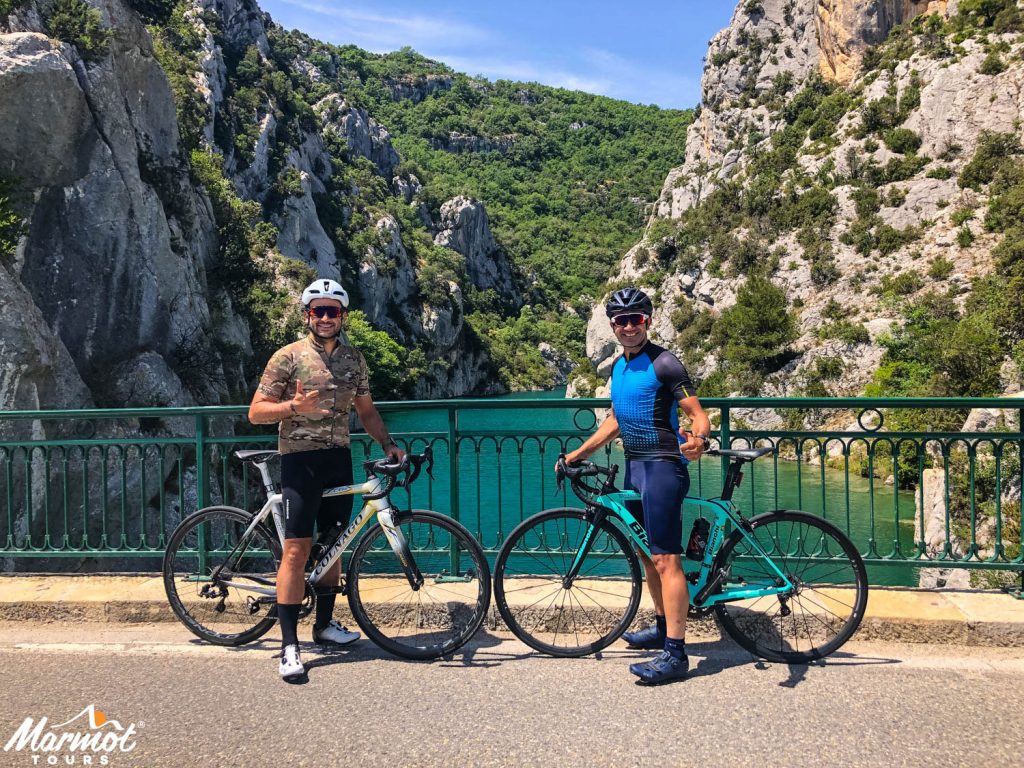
255	455
744	454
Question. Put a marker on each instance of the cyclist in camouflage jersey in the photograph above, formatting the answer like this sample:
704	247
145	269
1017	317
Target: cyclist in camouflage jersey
309	388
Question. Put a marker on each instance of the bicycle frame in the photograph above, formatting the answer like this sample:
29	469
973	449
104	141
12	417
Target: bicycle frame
724	517
381	507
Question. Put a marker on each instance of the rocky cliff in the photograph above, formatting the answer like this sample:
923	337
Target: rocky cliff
833	155
123	277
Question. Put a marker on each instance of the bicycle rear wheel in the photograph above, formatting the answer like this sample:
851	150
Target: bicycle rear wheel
532	598
441	615
218	608
830	596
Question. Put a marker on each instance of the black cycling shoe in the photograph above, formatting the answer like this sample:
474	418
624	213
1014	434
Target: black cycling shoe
663	668
648	638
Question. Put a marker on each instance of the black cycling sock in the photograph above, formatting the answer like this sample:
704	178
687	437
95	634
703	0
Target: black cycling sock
662	625
324	610
288	618
675	647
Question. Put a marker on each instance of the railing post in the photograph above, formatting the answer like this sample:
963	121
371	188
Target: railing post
1020	509
453	481
723	440
202	487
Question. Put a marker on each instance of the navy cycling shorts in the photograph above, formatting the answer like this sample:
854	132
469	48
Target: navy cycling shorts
662	486
304	477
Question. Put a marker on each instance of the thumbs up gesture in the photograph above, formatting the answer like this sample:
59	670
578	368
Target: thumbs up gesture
307	403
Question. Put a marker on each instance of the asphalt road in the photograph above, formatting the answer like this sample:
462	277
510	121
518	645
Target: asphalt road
498	704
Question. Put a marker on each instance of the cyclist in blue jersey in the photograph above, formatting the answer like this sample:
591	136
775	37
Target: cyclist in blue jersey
648	386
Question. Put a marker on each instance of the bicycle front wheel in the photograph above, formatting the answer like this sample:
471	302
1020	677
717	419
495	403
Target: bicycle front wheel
213	574
534	600
445	611
830	587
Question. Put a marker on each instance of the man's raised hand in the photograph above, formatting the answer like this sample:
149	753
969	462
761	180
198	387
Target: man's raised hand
307	402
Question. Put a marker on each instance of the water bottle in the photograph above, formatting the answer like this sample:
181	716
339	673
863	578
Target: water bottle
698	539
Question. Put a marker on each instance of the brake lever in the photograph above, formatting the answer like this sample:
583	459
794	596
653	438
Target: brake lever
560	472
428	456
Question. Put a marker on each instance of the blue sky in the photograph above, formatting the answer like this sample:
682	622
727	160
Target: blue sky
647	52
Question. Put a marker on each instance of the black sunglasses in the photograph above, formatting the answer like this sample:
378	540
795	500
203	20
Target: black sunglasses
331	312
636	320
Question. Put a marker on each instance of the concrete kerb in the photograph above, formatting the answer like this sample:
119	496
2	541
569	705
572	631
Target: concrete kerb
972	618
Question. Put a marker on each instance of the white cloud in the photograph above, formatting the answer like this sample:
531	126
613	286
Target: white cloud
381	33
497	69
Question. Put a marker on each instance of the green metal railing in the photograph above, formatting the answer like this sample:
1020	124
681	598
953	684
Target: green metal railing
112	484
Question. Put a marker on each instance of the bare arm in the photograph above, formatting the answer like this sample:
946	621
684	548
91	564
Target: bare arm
374	426
699	425
266	410
607	432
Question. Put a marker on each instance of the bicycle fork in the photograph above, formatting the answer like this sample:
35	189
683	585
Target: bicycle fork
583	551
400	547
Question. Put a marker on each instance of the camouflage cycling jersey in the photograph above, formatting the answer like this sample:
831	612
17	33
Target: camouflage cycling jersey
338	377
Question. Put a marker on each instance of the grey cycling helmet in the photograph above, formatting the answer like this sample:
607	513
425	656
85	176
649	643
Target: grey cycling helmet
322	288
628	299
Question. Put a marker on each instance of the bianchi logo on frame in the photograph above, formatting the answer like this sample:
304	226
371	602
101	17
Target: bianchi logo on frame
88	738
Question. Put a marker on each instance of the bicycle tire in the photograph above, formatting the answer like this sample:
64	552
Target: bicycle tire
443	614
211	610
594	611
831	588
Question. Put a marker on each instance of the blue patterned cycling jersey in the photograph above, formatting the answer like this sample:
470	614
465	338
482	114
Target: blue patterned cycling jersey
645	390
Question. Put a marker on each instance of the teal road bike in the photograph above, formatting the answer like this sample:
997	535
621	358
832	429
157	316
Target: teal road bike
786	585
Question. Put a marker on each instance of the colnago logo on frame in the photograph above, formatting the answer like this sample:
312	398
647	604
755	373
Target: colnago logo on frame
88	738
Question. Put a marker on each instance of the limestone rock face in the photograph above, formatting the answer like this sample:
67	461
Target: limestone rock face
364	135
36	371
846	29
769	52
387	284
465	228
417	88
116	237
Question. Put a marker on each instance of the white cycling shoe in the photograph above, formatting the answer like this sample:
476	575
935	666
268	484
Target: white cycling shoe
334	635
291	665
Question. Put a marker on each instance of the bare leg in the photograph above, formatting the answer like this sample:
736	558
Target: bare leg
674	593
653	582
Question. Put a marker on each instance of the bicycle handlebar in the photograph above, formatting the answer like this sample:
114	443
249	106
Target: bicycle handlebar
410	464
580	469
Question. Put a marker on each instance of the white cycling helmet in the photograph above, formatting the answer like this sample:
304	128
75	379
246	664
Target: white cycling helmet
322	288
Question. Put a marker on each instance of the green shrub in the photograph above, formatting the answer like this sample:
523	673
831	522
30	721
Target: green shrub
866	201
10	222
78	23
896	197
888	239
940	268
993	153
964	236
757	330
902	284
391	376
901	140
960	216
992	65
829	367
8	7
940	172
845	331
